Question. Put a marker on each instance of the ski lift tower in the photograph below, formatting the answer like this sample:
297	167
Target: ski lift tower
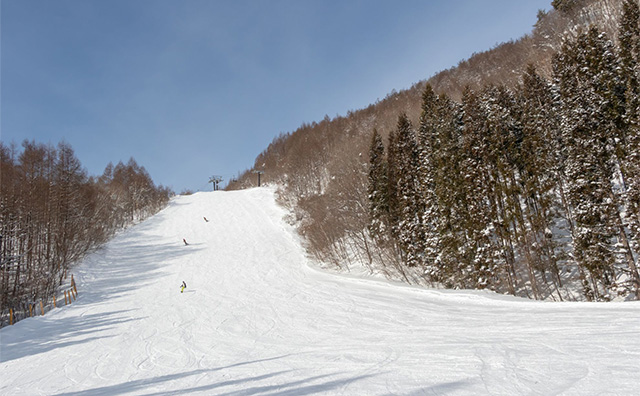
259	172
215	180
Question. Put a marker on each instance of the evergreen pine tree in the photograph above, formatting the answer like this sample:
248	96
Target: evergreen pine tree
426	136
541	171
629	38
504	163
393	171
480	255
410	227
589	114
378	206
449	191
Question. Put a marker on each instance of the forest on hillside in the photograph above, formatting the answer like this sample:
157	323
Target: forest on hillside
525	181
52	213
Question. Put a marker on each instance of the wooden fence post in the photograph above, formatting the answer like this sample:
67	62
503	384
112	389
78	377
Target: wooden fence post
65	298
41	308
71	292
30	310
54	301
10	317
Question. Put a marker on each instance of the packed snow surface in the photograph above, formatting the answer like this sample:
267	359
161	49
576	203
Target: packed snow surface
258	319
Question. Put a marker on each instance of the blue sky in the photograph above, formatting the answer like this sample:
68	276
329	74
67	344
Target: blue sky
195	88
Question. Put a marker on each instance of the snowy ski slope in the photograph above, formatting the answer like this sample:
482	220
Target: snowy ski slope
256	319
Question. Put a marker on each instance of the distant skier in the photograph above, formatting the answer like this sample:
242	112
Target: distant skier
205	219
182	287
185	242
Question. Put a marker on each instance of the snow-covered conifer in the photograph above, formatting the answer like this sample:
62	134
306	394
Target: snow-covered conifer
590	111
377	187
410	228
541	172
480	255
629	38
427	169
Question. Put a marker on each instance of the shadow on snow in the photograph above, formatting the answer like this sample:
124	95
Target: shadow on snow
116	270
298	387
32	337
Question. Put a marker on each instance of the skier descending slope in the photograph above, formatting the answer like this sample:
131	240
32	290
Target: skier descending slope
182	287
